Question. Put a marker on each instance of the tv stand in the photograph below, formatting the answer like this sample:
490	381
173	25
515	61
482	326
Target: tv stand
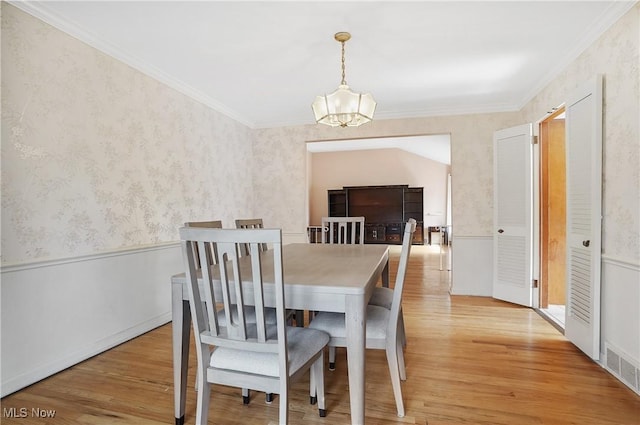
386	209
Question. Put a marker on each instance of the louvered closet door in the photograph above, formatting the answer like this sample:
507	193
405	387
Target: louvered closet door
584	205
513	215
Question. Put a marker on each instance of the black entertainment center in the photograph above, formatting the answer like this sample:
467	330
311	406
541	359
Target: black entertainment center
385	210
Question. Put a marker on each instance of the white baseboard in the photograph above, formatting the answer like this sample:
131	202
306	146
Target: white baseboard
45	370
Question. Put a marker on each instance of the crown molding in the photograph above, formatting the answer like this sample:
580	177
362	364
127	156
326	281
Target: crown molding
39	10
487	108
615	11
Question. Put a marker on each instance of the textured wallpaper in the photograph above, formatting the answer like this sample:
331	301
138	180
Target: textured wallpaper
98	156
471	165
616	55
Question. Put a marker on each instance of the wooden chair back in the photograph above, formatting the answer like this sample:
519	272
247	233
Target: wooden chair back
250	223
214	224
239	278
246	353
343	230
396	305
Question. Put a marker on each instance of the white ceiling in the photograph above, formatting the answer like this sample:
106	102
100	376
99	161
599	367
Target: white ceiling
263	63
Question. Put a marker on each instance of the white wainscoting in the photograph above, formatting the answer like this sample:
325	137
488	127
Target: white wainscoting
620	317
58	313
472	265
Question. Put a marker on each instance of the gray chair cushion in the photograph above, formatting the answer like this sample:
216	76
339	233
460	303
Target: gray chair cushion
303	344
382	297
333	323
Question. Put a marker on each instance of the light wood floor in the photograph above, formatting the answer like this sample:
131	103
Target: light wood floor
470	360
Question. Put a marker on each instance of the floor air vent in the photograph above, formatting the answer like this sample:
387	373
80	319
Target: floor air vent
623	367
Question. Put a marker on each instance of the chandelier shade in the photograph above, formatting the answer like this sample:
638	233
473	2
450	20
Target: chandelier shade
343	107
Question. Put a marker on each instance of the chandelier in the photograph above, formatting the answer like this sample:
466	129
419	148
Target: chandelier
343	107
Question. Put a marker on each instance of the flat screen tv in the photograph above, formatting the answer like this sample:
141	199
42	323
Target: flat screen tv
376	204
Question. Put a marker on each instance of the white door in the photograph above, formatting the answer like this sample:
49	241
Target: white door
513	214
584	209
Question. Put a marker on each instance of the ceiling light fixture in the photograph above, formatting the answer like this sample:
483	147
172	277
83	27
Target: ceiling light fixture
343	107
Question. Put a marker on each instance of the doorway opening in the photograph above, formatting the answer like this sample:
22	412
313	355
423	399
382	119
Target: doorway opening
553	218
413	160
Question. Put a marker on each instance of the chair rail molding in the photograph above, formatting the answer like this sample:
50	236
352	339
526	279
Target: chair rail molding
9	268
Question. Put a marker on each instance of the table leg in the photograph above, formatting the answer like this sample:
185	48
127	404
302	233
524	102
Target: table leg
356	319
181	326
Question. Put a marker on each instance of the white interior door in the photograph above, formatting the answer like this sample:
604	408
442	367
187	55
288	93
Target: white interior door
584	209
513	214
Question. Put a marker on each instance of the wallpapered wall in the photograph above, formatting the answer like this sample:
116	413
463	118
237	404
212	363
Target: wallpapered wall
616	56
98	156
471	163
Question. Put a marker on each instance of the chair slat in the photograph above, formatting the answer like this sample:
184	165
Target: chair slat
256	274
204	250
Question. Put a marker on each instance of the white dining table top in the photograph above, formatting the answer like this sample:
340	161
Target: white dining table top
330	268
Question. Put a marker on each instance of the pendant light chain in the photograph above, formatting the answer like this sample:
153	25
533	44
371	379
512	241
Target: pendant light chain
344	82
343	107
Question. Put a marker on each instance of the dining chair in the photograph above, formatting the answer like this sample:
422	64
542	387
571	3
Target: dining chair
212	224
383	297
250	223
250	314
257	223
382	324
240	354
343	230
211	260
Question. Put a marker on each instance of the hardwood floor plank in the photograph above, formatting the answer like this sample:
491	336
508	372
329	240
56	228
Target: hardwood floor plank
470	360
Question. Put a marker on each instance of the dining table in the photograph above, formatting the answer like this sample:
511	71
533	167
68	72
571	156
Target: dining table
317	277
